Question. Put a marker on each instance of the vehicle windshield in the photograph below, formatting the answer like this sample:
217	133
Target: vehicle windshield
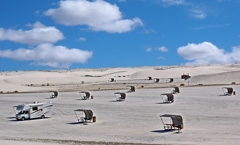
23	112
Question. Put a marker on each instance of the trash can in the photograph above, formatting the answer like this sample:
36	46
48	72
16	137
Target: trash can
91	97
234	93
94	119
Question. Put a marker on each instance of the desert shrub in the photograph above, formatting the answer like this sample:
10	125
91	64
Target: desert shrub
142	86
15	91
200	84
43	85
48	84
124	83
1	92
233	83
181	84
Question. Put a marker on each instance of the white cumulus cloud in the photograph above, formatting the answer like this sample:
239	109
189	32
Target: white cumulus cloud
162	49
49	55
207	53
98	15
37	35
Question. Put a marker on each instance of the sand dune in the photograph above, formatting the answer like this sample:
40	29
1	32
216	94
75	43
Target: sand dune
218	78
24	81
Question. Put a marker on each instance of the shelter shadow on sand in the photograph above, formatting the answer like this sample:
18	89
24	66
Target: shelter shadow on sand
163	131
223	95
80	99
163	103
49	98
74	123
115	101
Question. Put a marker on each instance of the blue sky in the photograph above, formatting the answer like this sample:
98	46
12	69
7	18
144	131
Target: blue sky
69	34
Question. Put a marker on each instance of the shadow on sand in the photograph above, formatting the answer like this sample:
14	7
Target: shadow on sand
166	131
163	103
162	131
224	95
10	117
13	119
50	98
116	101
74	123
83	99
77	123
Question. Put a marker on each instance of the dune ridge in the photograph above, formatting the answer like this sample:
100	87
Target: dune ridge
33	81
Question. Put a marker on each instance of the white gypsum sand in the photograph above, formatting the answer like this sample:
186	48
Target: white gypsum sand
209	117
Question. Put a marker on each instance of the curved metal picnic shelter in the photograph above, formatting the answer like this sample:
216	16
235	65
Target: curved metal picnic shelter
176	121
120	96
87	115
167	98
85	95
175	90
53	94
227	90
131	88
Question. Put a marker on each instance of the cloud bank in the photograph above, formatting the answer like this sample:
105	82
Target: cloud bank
207	53
37	35
49	55
98	15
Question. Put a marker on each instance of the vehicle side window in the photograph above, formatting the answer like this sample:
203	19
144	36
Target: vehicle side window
35	108
26	112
